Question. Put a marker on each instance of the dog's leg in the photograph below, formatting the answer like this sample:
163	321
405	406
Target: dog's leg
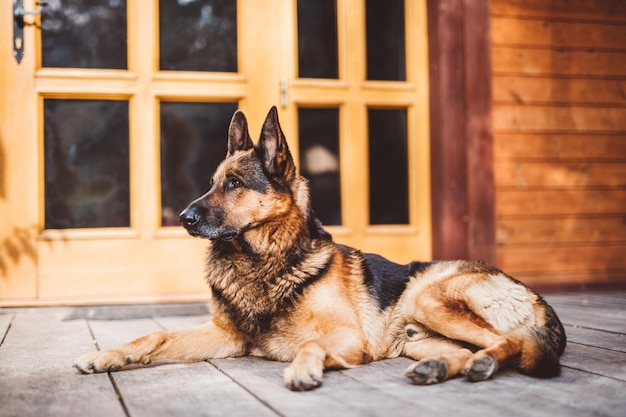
438	359
306	370
460	323
342	348
189	345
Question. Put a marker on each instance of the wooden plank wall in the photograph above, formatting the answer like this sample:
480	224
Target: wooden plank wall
559	119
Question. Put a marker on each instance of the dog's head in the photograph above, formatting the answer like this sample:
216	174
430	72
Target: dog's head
253	185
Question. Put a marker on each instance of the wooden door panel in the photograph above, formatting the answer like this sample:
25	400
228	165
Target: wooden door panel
97	270
145	256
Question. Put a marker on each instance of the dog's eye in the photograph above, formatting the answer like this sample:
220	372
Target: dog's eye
210	183
233	183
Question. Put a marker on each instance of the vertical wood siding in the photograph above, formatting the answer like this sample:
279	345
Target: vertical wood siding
559	120
463	215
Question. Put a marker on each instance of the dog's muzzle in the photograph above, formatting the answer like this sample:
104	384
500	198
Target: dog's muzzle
193	219
189	218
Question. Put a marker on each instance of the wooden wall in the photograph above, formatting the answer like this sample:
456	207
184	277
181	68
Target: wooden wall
559	124
461	144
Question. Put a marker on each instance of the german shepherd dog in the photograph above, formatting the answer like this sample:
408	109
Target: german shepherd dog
282	289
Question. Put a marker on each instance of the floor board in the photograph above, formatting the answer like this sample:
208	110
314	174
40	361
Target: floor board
39	346
598	338
36	374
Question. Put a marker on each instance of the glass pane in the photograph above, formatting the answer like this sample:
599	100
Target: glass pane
388	167
319	160
317	39
86	163
194	139
84	34
198	35
385	40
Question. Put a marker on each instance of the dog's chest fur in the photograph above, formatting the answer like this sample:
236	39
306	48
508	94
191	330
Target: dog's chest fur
254	290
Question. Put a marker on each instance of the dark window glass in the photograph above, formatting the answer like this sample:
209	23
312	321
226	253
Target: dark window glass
194	139
319	161
86	163
385	40
198	35
388	167
317	39
84	34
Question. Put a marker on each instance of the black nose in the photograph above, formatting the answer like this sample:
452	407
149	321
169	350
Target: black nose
189	217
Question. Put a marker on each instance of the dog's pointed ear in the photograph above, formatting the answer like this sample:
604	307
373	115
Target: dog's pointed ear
238	136
273	149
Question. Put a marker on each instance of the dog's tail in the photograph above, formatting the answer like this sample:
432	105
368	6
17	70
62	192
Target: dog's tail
543	347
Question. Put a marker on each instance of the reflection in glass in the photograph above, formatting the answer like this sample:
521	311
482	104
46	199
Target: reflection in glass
317	39
388	167
198	35
84	34
385	40
86	163
319	160
193	142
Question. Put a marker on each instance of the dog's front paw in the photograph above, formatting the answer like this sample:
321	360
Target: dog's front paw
106	360
427	372
303	378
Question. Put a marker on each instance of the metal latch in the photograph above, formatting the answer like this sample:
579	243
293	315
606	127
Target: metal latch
18	25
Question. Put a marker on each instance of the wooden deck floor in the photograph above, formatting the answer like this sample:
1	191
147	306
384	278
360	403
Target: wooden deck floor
38	346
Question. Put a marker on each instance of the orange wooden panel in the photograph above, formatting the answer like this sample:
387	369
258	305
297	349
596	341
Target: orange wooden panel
524	90
93	270
544	32
562	258
528	61
567	229
518	146
554	202
559	280
559	174
547	118
605	10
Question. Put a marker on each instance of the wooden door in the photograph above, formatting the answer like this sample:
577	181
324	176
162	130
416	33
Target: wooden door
116	117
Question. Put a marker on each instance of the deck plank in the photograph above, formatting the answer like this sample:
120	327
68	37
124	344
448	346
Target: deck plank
339	395
5	322
36	374
597	338
174	389
36	378
595	360
181	322
508	393
454	397
111	333
127	312
381	388
576	392
184	390
593	318
589	304
610	299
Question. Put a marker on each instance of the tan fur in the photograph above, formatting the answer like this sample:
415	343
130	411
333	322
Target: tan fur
285	291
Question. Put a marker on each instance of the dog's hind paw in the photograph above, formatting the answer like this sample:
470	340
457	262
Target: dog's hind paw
426	372
481	369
